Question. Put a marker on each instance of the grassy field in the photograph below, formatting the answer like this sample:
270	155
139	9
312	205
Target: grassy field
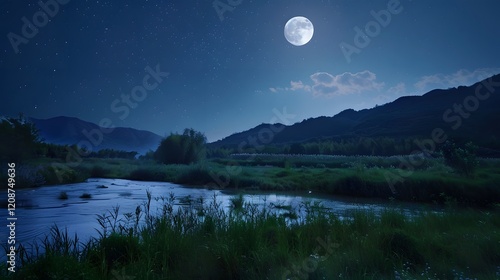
401	178
202	241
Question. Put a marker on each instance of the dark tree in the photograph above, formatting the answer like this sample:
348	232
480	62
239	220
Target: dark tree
297	149
185	148
461	159
18	139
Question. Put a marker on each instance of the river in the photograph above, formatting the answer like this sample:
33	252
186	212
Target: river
38	209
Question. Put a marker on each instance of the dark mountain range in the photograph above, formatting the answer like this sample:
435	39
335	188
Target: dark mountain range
467	113
68	131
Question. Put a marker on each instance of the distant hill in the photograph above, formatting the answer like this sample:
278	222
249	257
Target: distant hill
67	131
409	116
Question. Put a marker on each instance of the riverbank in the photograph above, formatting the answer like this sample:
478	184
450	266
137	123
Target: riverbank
431	181
202	241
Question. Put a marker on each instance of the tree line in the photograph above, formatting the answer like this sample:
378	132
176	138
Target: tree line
20	141
366	146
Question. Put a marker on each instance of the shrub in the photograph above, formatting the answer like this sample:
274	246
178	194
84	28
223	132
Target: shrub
144	174
182	149
98	172
19	141
63	195
59	175
461	159
86	195
196	175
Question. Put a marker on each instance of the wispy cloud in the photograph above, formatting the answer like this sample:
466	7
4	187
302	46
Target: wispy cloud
460	78
399	89
299	86
323	84
328	85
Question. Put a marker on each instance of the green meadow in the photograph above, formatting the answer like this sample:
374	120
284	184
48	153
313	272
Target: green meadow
429	181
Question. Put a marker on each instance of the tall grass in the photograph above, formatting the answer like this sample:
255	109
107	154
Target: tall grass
259	243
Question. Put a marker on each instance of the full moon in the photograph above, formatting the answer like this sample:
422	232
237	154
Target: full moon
299	31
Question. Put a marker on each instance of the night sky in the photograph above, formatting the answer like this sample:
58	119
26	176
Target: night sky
228	71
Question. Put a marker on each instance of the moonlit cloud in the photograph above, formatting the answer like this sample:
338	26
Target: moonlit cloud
294	86
328	85
460	78
324	84
399	89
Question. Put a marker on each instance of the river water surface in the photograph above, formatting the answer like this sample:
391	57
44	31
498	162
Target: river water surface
38	209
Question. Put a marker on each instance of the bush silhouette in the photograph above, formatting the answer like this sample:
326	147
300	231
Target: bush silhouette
19	139
98	172
185	148
63	195
461	159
